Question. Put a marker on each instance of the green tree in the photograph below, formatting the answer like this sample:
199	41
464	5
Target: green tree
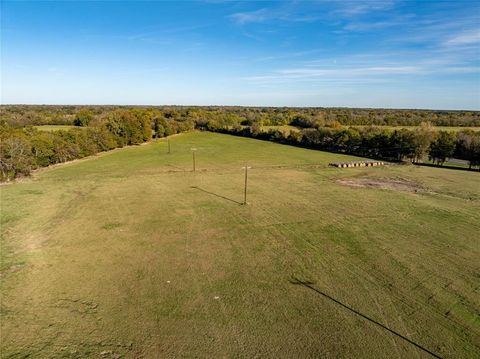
442	147
42	148
468	147
402	143
83	118
15	154
424	136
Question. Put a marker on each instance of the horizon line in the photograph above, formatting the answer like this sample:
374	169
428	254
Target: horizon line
248	106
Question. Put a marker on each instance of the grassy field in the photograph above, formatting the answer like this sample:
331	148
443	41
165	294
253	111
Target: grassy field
130	254
50	128
284	128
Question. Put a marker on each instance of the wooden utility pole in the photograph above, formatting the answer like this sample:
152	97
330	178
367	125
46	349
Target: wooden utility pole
193	153
246	184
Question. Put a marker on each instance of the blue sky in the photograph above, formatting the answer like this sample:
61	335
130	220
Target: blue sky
389	53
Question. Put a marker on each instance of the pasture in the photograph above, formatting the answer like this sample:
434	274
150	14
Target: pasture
50	128
131	254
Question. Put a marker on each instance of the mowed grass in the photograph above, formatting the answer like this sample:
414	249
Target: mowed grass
131	254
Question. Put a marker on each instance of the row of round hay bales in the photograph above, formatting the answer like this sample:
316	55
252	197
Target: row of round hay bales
357	164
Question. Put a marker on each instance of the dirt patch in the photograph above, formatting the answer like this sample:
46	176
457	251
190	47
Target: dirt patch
396	184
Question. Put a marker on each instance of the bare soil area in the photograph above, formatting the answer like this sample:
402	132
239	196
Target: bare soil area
396	184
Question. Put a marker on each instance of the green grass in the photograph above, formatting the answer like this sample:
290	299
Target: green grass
130	253
451	163
50	128
285	128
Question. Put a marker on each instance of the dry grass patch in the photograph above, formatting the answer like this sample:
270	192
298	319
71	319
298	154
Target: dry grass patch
396	184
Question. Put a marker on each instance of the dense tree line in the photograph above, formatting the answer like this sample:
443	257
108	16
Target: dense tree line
27	148
101	128
396	145
23	115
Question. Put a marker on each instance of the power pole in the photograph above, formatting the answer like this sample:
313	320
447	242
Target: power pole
193	153
246	183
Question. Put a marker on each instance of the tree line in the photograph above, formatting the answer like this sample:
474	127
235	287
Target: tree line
415	145
102	128
27	148
24	115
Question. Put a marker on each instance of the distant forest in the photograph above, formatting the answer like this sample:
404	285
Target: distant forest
23	147
24	115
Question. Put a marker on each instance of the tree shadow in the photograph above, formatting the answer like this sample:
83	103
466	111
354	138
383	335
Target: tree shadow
216	195
310	285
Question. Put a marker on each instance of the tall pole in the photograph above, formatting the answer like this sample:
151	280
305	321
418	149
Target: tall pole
246	185
193	157
246	182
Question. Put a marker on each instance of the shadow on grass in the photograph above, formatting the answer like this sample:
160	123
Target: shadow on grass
216	195
309	285
446	166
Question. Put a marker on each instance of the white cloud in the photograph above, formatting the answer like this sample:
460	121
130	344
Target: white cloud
392	21
264	15
251	16
345	72
357	7
364	73
465	38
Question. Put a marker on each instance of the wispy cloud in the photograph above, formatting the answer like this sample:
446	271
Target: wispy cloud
392	21
252	36
292	12
362	71
171	30
315	74
251	16
287	55
285	14
354	7
465	38
55	71
436	30
164	36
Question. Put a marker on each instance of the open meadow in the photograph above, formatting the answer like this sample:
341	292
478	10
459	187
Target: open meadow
51	128
132	254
